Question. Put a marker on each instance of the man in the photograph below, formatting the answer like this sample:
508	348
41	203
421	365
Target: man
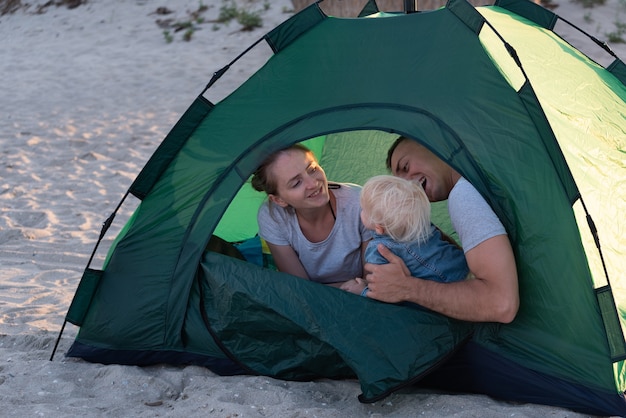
492	296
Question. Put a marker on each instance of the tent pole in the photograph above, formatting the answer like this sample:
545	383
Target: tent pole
410	6
105	227
56	345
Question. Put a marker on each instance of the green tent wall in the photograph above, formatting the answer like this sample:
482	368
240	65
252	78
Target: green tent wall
533	139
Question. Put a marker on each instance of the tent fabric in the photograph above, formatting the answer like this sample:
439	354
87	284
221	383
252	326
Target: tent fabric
534	132
291	320
518	383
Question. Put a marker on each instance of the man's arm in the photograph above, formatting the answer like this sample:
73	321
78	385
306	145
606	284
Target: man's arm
492	296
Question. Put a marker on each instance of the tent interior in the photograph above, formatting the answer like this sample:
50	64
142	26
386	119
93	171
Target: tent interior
336	154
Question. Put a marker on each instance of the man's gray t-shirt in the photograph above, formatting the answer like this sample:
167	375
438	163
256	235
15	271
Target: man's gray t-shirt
472	217
337	258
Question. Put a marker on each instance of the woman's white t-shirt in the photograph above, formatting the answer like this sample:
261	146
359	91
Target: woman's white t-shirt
335	259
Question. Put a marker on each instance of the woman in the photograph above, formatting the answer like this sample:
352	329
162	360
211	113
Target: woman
312	228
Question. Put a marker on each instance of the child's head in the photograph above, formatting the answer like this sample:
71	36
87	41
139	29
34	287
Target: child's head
396	207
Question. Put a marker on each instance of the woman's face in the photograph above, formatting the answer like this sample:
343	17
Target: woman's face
300	181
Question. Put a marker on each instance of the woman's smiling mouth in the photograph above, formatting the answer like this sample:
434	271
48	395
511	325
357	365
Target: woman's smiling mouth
316	193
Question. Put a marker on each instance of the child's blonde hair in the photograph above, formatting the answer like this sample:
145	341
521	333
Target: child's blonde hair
398	205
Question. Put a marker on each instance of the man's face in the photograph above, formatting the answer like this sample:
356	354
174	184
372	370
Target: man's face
414	162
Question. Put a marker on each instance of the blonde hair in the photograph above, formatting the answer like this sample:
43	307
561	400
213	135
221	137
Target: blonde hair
398	205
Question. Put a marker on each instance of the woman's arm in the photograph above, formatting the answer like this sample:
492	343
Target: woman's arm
287	260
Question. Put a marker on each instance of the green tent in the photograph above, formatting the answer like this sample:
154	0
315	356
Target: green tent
534	124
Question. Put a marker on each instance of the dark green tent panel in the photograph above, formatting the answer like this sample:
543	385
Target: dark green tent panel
541	133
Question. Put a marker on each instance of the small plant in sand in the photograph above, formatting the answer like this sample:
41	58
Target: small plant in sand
190	25
230	10
247	18
617	36
11	6
168	36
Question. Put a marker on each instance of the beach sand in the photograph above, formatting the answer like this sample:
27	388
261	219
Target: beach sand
88	93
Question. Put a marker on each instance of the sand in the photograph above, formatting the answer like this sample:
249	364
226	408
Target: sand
87	94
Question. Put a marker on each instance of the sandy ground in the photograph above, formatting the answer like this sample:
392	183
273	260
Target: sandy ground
87	94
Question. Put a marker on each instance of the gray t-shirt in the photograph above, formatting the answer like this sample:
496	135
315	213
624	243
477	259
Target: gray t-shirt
338	257
472	217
